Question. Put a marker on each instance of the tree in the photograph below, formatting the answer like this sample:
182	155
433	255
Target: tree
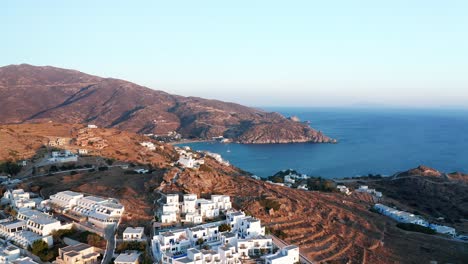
224	228
10	167
200	242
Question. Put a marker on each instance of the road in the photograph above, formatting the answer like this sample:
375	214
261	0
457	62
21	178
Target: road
281	244
110	247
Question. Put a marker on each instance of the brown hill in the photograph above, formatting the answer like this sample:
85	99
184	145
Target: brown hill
30	94
421	171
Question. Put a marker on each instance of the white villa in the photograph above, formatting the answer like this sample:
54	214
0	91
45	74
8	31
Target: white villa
99	211
133	233
148	145
400	216
43	224
246	239
365	188
188	159
244	226
288	254
20	232
192	208
343	189
8	252
66	199
20	199
63	156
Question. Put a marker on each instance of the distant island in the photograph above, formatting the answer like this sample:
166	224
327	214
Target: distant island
49	94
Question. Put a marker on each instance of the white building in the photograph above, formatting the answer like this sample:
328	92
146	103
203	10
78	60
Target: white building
254	246
222	202
209	233
26	238
190	203
207	208
443	229
9	227
92	126
193	210
19	199
82	151
8	252
63	156
400	216
287	255
43	224
148	145
78	254
244	226
25	260
289	179
171	242
133	233
127	258
66	199
365	188
343	189
108	213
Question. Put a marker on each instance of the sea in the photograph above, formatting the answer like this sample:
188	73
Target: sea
370	141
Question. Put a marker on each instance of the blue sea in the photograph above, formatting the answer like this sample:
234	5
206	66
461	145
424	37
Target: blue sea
371	141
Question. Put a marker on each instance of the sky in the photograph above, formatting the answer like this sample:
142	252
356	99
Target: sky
399	53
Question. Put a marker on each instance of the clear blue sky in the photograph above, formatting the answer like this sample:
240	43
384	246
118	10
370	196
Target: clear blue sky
308	53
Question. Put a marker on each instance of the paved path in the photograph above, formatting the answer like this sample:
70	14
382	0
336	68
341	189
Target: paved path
110	247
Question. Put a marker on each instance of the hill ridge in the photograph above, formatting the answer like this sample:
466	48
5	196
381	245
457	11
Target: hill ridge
36	94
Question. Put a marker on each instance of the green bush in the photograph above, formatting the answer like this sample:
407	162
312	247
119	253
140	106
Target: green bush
224	228
130	245
10	167
270	204
41	249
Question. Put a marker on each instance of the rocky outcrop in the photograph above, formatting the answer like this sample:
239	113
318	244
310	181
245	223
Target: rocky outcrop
421	170
32	94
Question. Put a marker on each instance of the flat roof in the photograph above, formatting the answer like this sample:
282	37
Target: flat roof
127	257
94	199
13	224
69	193
134	230
43	220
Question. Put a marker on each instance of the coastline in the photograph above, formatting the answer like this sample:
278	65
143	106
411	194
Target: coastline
189	141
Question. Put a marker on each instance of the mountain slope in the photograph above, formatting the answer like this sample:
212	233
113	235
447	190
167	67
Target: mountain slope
30	94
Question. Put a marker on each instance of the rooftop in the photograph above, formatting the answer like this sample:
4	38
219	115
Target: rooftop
127	257
43	220
78	247
70	193
134	230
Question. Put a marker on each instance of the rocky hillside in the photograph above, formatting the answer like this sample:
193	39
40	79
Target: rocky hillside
31	94
328	227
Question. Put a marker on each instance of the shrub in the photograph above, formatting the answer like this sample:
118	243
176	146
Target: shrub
224	228
205	168
270	204
10	167
41	249
416	228
130	245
